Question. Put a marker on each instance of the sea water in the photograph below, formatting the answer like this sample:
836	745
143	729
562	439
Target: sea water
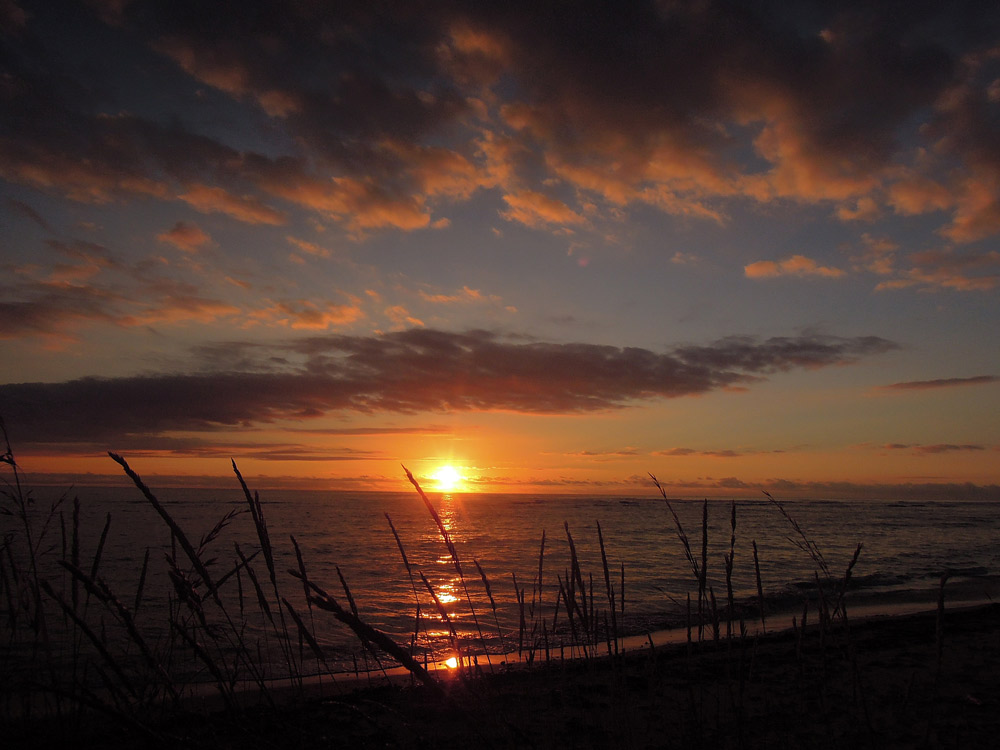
804	547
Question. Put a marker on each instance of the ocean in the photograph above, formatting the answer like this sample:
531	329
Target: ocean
906	549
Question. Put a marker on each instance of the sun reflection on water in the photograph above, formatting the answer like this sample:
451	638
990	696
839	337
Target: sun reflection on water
446	593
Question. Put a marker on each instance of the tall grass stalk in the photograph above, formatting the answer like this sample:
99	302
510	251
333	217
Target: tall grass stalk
176	532
260	524
609	588
413	583
760	588
493	603
455	559
729	558
364	631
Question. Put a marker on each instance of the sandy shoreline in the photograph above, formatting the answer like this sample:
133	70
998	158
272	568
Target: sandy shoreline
879	683
203	697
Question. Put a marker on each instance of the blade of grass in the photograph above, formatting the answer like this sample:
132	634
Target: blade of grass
362	629
175	530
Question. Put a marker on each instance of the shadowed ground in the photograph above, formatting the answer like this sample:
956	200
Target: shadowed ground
877	686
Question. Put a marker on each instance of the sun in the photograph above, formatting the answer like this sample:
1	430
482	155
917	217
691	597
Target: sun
448	478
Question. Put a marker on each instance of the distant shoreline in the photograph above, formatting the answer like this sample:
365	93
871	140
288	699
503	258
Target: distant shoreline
818	492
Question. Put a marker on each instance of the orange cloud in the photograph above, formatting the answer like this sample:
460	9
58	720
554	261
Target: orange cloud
797	265
878	256
75	295
186	237
361	204
85	260
947	269
181	308
308	247
437	171
218	66
503	156
209	199
79	180
863	209
684	259
977	211
474	55
466	295
535	209
310	316
804	170
919	195
400	316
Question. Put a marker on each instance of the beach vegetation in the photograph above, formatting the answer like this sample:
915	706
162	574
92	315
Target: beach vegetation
237	633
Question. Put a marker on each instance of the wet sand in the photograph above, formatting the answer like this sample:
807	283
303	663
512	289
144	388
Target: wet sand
884	682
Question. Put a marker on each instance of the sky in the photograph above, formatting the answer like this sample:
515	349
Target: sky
558	246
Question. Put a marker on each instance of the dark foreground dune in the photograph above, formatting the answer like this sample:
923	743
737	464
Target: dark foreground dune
879	684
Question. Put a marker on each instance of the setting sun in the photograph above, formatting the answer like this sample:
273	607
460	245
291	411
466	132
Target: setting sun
448	479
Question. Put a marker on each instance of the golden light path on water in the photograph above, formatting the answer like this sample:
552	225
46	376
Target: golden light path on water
447	592
448	479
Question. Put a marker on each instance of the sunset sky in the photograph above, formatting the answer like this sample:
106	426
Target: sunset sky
556	245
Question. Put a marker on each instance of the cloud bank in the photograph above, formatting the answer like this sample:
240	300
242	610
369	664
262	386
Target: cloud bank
925	385
414	371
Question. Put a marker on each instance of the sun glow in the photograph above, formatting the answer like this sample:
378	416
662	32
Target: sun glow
448	479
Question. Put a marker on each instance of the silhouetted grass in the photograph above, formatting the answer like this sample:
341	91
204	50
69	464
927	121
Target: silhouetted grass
125	664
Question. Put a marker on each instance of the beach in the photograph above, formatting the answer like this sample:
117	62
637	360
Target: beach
901	649
917	680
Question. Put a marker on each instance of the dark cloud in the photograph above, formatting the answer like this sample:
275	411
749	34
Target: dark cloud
780	353
969	271
372	431
937	448
606	454
187	237
161	446
84	284
408	372
23	209
923	385
58	308
726	453
916	492
354	89
224	483
948	448
51	311
677	452
646	102
384	110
